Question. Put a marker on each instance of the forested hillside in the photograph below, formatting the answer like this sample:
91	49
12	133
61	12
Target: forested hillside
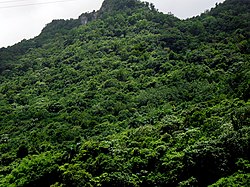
127	96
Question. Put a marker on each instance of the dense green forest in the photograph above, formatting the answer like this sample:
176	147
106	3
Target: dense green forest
127	96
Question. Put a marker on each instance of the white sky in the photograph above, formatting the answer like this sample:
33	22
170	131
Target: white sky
17	23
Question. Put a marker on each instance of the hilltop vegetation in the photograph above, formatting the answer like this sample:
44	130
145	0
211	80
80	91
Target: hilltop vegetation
134	97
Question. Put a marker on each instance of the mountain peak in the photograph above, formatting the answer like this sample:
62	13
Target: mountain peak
116	5
113	6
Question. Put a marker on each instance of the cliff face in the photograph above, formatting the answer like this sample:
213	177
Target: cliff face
87	17
109	7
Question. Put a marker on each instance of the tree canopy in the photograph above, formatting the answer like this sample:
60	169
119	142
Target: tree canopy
134	97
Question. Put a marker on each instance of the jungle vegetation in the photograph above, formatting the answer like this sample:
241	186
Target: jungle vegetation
133	98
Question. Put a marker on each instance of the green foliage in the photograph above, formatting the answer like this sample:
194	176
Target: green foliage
37	169
132	98
237	179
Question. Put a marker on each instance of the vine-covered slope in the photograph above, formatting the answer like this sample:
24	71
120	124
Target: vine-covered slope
133	97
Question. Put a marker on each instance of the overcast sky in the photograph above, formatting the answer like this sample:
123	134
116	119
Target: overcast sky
19	22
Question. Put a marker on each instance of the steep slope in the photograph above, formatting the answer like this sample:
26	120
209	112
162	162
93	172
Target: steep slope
128	96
